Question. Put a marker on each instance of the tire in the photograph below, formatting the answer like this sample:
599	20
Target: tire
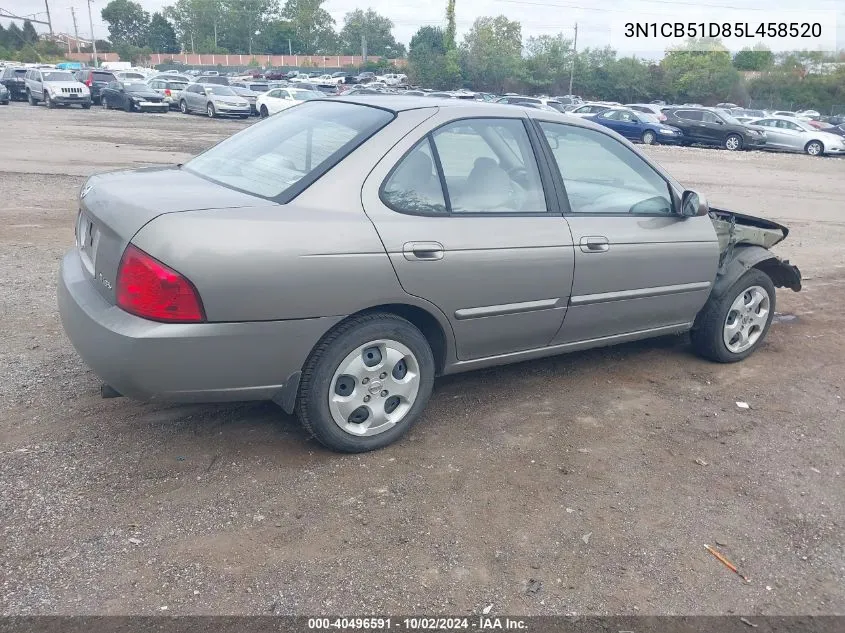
814	148
32	100
211	111
128	105
354	340
648	137
711	329
49	102
104	102
733	142
244	116
86	106
183	107
264	113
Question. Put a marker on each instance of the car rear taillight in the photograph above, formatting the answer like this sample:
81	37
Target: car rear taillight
149	289
167	91
88	82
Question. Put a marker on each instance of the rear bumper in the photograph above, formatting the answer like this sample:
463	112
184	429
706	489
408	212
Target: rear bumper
196	362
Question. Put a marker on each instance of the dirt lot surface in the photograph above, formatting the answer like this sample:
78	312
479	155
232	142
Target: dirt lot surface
580	484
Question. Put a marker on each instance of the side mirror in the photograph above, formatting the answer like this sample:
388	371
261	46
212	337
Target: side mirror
693	204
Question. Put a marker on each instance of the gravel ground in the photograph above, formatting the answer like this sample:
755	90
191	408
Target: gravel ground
586	483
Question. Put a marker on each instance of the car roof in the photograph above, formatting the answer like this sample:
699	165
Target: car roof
400	103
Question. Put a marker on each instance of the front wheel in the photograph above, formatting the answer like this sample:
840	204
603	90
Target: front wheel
733	142
733	326
105	103
366	383
32	100
264	113
648	137
49	102
211	111
128	105
814	148
183	107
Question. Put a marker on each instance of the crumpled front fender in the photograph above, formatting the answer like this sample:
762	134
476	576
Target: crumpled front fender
743	258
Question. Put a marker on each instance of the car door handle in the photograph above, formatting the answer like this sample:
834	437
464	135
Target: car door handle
422	251
594	244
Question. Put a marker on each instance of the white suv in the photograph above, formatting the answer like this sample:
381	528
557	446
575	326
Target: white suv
56	87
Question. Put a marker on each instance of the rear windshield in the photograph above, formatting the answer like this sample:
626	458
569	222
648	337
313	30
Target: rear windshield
136	87
259	87
20	72
270	159
177	85
132	75
103	76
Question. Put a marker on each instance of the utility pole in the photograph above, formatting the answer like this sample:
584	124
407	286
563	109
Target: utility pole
93	39
574	58
49	21
363	49
75	31
290	48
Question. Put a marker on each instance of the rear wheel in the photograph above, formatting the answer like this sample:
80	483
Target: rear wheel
733	142
733	326
32	100
366	383
648	137
814	148
211	111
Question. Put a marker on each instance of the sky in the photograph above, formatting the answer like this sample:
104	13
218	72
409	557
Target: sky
599	23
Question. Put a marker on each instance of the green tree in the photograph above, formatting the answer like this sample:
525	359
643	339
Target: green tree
242	22
160	36
278	37
138	55
491	53
547	58
377	30
127	20
197	23
429	63
14	37
449	35
702	76
758	58
29	34
314	26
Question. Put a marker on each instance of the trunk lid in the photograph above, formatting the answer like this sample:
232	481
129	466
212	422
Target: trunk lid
114	207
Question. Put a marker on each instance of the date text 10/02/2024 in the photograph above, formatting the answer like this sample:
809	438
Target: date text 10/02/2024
481	623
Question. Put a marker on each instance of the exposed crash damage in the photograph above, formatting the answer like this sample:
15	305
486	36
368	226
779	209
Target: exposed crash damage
741	304
744	243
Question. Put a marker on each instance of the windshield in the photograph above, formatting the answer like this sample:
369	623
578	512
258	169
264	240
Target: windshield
223	91
270	158
729	118
60	76
132	75
259	87
136	87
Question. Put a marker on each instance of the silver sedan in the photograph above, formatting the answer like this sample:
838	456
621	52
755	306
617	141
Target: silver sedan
339	256
791	134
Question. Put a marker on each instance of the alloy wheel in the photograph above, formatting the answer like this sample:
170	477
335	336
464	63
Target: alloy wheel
733	143
374	387
746	319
